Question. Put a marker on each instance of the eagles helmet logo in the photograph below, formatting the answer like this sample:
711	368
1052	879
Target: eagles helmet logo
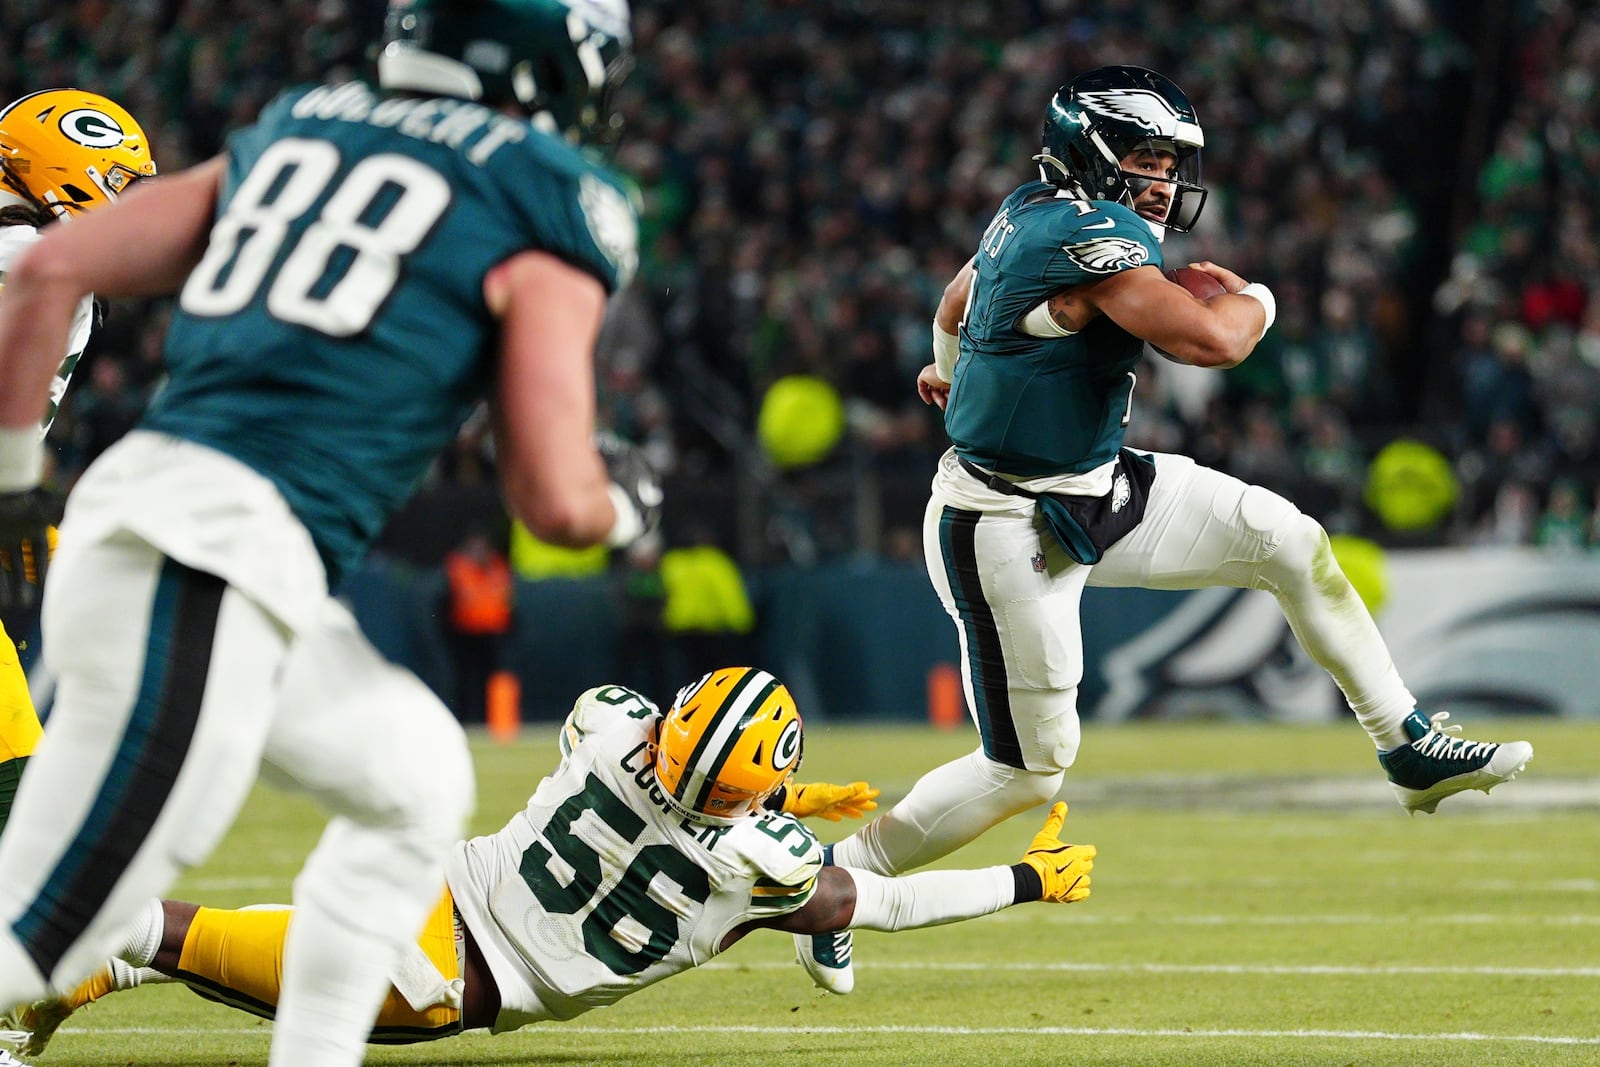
1108	255
1148	110
91	128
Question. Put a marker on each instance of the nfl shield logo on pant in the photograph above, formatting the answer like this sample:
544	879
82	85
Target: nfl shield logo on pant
1038	563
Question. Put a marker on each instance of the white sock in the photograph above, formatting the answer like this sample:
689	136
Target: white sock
144	936
948	807
125	976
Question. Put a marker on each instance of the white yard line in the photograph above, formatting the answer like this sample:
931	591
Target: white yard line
944	1031
993	966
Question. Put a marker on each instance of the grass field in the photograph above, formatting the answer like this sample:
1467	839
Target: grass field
1259	899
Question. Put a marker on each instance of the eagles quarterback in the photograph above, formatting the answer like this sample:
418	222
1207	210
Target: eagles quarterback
1035	344
62	152
353	275
658	842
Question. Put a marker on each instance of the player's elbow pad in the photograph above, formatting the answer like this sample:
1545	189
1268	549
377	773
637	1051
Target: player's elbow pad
929	898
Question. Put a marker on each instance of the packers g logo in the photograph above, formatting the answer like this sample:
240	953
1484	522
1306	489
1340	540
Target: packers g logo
91	128
787	749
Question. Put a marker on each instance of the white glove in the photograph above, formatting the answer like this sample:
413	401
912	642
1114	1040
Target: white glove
635	490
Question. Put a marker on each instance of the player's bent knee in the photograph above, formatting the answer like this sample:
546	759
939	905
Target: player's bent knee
1023	788
1300	546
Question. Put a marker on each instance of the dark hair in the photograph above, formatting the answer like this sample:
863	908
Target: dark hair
35	215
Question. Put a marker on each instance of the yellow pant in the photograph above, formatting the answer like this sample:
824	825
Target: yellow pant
19	723
236	958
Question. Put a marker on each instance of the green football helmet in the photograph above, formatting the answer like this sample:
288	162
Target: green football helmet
557	60
1098	118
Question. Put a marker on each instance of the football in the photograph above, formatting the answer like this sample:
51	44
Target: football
1200	285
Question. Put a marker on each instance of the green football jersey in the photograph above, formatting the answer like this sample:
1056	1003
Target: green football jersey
1035	406
334	336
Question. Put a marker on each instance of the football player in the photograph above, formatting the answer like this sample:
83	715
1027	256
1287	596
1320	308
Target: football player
352	276
1035	344
658	841
62	152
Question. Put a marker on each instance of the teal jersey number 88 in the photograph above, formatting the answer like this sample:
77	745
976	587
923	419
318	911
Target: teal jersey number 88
343	265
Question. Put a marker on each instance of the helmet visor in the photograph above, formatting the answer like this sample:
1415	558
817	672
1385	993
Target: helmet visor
1178	170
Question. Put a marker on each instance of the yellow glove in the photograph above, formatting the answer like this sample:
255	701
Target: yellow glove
1063	869
828	801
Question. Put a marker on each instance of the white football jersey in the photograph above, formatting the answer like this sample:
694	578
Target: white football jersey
598	888
15	240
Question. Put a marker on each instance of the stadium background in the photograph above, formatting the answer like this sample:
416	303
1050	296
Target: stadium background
1416	180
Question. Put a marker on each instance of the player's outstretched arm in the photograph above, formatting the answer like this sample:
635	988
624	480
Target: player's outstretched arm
846	898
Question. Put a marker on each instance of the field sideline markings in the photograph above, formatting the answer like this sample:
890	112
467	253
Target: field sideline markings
943	1031
1198	968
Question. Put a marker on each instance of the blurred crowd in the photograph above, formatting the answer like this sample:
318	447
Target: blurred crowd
1415	179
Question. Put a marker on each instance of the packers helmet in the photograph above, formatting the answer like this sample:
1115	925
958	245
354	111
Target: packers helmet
727	743
70	150
1095	120
557	60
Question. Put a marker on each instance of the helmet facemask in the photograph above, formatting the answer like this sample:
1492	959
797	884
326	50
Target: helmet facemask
1101	118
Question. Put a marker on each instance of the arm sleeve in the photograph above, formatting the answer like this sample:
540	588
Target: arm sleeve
929	898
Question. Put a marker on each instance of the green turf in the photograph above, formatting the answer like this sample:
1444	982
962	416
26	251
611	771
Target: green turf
1234	921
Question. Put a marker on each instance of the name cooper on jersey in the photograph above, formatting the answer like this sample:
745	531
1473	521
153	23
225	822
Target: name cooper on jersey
639	763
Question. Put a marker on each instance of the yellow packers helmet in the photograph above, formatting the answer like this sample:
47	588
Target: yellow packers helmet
70	150
727	743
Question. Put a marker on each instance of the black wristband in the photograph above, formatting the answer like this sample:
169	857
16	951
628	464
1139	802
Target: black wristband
774	802
1029	886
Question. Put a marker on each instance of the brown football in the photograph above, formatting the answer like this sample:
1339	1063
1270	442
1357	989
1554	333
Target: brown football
1200	285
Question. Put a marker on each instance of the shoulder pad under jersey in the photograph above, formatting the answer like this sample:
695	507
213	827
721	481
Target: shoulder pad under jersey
602	709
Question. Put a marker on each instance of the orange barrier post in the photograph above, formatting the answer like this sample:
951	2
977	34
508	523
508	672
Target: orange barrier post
945	704
503	706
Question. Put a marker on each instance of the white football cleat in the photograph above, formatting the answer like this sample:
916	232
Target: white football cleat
826	958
